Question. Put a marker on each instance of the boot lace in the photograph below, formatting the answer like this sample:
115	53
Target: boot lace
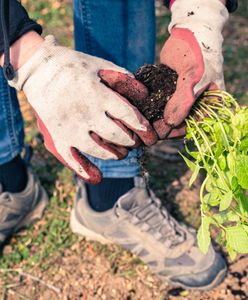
156	220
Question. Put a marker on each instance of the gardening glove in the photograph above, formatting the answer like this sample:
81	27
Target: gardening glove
194	51
75	111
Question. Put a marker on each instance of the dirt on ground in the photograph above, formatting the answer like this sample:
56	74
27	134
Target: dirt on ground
88	270
84	274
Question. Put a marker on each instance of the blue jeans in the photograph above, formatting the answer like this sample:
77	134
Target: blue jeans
11	123
122	31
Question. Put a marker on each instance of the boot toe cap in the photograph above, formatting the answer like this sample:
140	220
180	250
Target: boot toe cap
205	280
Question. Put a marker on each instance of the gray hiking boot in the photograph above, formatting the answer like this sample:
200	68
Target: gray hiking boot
18	210
138	223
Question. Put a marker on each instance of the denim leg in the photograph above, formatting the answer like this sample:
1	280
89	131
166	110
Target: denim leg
122	31
11	123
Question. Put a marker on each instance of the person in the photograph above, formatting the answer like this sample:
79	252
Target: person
92	129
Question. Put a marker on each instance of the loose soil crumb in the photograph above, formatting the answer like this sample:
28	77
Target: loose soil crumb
161	83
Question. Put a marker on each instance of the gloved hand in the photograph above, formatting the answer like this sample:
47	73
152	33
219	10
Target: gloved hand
194	51
75	111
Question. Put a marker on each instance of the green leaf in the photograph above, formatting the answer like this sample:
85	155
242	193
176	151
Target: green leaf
242	120
220	136
234	184
220	185
244	144
219	239
192	166
194	154
225	216
231	162
232	253
242	200
218	149
206	198
209	185
194	175
205	207
245	228
203	234
209	121
227	128
214	198
226	200
242	170
222	162
206	128
237	238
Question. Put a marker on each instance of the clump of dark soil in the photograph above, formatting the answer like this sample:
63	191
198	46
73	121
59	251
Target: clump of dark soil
161	83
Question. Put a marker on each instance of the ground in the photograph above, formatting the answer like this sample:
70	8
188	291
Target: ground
47	261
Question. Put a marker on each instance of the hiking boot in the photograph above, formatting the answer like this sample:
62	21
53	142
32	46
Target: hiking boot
139	224
18	210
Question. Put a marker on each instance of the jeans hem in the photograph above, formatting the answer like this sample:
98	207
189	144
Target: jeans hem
120	175
10	156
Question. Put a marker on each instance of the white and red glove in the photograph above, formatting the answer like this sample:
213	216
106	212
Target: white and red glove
194	51
76	112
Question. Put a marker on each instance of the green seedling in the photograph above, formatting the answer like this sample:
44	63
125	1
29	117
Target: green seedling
218	127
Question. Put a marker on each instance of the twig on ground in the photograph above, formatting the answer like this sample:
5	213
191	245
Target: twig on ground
20	272
4	293
14	293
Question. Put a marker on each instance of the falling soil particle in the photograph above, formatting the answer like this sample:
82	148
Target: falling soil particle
161	83
190	13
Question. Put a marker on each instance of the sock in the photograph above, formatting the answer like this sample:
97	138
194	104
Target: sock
104	195
13	175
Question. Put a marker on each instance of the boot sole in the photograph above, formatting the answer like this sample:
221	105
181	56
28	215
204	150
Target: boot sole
81	230
35	214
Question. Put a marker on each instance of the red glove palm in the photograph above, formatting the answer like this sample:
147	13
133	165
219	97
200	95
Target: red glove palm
194	51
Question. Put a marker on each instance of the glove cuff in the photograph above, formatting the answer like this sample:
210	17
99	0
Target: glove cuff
193	14
205	20
231	5
43	54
